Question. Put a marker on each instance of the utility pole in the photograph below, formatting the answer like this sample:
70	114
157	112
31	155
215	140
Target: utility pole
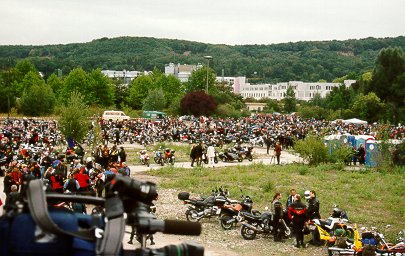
8	88
208	65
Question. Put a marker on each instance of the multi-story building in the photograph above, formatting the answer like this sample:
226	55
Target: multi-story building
182	72
303	90
126	76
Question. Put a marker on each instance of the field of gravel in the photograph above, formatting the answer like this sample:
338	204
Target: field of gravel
215	240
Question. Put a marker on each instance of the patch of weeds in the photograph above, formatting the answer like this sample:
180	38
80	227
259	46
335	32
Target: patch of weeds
303	170
267	187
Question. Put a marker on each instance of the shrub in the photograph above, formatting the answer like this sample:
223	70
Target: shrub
312	149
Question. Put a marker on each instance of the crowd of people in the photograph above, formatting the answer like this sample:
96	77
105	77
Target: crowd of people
31	147
298	214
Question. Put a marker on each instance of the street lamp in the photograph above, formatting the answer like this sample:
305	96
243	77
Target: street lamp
208	65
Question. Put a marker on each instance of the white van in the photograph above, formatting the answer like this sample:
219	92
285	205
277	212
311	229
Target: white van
115	115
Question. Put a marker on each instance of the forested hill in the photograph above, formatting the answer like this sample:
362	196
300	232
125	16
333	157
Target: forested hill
305	61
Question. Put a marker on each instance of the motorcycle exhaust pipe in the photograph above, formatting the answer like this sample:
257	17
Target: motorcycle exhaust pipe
252	227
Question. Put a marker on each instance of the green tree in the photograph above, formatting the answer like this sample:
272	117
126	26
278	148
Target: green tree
22	68
290	102
138	91
55	83
369	107
73	120
340	98
312	149
77	80
388	80
37	100
103	89
273	106
198	80
155	100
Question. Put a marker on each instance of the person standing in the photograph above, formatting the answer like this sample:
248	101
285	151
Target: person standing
267	141
313	206
290	198
361	152
277	210
297	214
277	152
211	154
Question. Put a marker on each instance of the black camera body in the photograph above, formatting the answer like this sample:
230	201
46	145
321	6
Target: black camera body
39	226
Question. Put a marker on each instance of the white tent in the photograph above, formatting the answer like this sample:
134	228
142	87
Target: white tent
354	121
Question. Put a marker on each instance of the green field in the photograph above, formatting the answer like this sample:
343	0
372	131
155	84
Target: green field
371	198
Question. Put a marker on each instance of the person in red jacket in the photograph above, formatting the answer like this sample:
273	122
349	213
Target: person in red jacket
83	178
297	214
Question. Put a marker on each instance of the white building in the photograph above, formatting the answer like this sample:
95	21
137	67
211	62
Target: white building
182	72
303	90
126	76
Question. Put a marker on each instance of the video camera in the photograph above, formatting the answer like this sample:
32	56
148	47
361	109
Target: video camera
36	227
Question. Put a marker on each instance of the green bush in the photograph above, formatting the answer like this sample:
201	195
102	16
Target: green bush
312	149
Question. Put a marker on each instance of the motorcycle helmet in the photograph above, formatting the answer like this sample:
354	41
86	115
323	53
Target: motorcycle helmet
307	194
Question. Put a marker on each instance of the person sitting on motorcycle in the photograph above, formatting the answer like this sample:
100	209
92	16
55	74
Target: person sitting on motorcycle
168	153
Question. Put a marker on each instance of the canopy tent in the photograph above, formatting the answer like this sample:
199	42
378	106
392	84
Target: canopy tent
354	121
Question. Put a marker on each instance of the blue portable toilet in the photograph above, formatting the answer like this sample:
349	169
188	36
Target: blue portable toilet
351	140
372	153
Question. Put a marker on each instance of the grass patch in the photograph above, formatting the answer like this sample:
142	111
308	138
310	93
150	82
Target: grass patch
371	198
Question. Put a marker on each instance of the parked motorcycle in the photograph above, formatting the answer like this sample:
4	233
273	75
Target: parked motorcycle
144	158
230	216
247	153
198	208
262	224
230	156
323	231
159	157
169	156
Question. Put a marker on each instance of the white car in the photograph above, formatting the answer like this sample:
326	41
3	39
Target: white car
115	115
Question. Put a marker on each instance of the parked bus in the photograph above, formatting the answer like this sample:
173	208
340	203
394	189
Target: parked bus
153	115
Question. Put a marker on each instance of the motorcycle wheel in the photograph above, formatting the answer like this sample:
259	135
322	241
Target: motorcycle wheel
205	161
162	162
250	159
172	161
240	159
247	233
215	160
147	163
224	221
261	144
156	159
192	215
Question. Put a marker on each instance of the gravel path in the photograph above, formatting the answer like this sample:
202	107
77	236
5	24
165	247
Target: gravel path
215	240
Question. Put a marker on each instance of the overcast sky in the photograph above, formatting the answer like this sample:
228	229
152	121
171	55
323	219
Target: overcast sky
232	22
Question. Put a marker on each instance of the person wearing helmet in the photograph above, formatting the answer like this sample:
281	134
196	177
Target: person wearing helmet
313	205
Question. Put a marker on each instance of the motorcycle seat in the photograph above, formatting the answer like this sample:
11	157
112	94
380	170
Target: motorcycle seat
323	222
251	215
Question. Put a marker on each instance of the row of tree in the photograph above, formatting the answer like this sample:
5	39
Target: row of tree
300	61
377	95
24	89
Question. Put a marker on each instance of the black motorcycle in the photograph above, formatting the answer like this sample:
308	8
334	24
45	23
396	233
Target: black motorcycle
159	157
247	153
230	156
262	224
230	216
203	207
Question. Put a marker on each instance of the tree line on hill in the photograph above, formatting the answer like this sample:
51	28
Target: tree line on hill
377	95
302	61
